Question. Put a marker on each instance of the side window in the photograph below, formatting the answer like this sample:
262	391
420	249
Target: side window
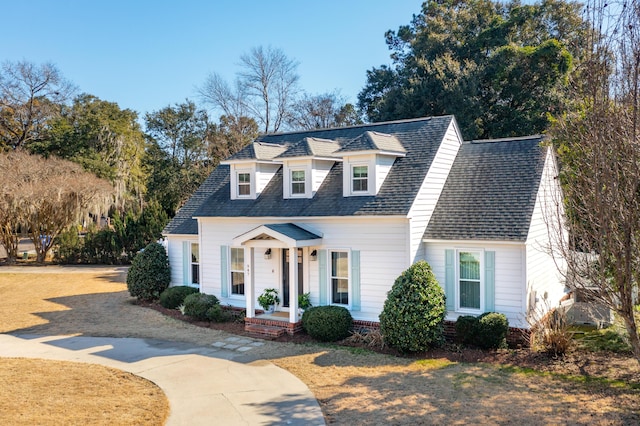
469	282
360	178
244	184
297	182
339	276
237	271
195	263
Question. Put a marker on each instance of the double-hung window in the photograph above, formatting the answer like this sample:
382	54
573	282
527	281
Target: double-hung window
244	184
360	178
297	182
237	271
195	263
469	280
339	277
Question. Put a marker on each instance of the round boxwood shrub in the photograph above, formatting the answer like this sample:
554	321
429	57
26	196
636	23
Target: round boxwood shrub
197	305
173	297
487	331
217	314
149	274
491	330
412	319
327	323
466	328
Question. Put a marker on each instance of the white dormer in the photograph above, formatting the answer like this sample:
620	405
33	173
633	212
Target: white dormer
305	165
252	169
367	160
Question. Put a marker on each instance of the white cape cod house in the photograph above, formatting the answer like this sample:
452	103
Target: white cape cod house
340	213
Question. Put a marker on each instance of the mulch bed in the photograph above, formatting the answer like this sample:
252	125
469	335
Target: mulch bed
588	364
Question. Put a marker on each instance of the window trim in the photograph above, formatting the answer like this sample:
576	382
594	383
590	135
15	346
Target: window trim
481	255
191	283
303	182
233	295
244	184
352	178
330	277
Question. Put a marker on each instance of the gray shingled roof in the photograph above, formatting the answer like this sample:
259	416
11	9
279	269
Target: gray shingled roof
374	141
311	147
490	192
293	231
259	151
420	137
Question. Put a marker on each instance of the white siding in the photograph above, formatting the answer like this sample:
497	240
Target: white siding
430	191
264	174
544	276
381	242
509	276
176	256
320	171
383	167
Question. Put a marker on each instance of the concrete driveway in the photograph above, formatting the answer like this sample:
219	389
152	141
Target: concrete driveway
204	385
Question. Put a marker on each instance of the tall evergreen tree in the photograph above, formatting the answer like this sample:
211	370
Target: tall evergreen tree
500	69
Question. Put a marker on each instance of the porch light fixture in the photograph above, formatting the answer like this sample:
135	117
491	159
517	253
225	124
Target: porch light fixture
313	256
267	254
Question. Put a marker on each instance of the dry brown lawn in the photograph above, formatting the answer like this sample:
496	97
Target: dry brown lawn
46	392
353	386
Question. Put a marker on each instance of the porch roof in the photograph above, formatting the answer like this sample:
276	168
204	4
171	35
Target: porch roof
288	233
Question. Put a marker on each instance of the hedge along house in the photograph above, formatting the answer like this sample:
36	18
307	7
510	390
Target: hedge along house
340	213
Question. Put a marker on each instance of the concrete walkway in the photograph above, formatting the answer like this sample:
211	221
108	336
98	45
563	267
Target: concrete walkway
204	385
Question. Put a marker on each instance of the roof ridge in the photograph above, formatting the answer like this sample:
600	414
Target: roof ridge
514	138
355	126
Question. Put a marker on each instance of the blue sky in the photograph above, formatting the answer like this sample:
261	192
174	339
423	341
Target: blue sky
145	55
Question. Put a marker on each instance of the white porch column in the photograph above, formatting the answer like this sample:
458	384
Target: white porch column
293	284
249	283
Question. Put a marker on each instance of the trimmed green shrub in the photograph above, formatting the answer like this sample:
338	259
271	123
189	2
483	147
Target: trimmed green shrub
487	331
197	305
327	323
149	274
173	297
412	319
217	313
492	330
465	328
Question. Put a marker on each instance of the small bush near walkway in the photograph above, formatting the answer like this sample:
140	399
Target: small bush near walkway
149	274
327	323
173	297
201	306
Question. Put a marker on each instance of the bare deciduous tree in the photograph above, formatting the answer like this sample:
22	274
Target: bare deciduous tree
322	111
265	88
42	197
599	148
29	96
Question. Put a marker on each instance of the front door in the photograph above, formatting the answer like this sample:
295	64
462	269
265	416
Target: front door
285	276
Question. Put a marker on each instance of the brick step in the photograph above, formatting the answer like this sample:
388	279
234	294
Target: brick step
264	330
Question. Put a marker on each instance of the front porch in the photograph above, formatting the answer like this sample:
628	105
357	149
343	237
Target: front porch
272	325
290	245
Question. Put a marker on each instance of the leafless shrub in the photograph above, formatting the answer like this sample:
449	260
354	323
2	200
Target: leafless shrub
550	331
369	338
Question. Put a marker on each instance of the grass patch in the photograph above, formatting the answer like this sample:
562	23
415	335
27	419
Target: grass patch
584	379
612	339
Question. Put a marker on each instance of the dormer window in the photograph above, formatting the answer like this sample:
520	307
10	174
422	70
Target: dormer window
360	178
298	182
244	184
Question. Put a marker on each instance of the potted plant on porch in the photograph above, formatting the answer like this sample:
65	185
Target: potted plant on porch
304	302
269	299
